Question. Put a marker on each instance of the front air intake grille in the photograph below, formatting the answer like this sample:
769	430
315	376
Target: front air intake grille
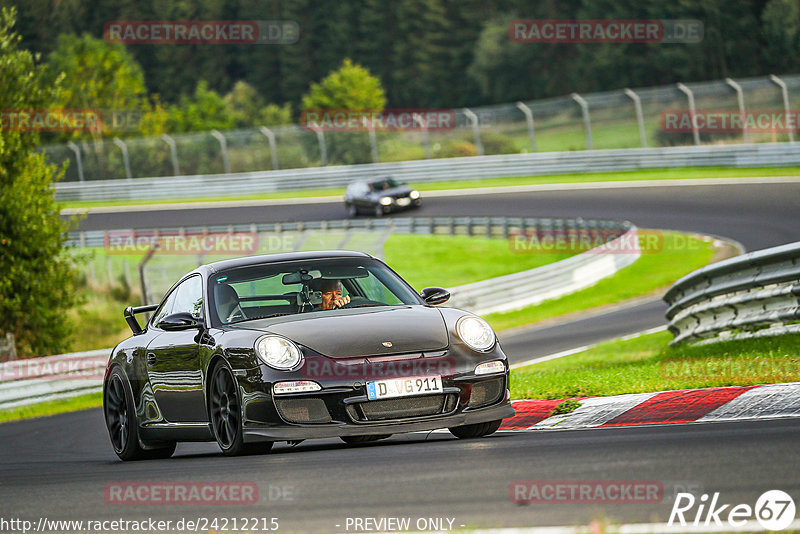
402	408
303	410
486	392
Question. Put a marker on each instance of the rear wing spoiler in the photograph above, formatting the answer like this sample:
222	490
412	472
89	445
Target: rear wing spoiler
130	318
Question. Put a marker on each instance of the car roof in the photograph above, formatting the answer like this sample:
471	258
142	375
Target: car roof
222	265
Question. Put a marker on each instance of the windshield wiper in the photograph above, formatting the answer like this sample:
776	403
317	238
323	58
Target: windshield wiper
271	315
261	317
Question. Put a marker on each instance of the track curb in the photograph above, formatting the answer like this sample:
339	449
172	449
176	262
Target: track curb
665	407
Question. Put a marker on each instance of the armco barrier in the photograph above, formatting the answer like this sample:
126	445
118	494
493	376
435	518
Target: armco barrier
33	380
468	168
757	294
515	291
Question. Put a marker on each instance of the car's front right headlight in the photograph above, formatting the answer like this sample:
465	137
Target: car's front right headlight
385	201
278	352
476	333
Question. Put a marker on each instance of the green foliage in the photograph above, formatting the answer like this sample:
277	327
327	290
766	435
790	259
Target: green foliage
248	109
497	143
457	149
100	76
203	111
207	110
421	49
781	23
37	279
350	87
568	406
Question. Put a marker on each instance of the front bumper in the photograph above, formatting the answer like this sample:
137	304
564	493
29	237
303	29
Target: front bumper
339	429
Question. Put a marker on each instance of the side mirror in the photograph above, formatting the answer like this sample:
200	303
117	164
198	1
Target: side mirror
179	321
434	295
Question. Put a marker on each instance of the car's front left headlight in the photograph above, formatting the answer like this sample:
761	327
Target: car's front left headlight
278	352
414	194
475	332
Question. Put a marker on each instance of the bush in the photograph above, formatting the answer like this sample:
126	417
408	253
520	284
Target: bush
497	143
457	149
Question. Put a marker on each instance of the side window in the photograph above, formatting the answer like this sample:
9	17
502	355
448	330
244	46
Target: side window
189	297
165	309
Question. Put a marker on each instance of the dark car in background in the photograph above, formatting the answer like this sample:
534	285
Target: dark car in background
249	351
379	196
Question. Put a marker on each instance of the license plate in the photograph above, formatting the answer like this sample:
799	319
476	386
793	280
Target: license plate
403	201
403	387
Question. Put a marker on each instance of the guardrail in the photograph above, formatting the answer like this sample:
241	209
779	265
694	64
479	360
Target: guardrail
526	288
474	226
34	380
757	294
468	168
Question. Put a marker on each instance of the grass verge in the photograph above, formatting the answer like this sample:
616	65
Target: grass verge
647	363
41	409
449	261
680	255
650	174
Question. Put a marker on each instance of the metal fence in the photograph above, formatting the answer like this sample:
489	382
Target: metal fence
757	294
472	168
625	118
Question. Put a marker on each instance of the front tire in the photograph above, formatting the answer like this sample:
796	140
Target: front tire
121	422
478	430
378	211
226	415
352	211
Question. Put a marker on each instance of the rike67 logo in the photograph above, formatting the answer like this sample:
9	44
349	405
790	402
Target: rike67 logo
774	510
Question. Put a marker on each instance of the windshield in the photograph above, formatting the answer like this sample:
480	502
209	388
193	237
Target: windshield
272	290
383	185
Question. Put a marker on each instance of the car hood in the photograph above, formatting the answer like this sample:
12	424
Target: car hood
363	332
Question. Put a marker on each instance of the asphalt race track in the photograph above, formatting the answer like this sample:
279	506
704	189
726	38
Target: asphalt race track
756	215
58	467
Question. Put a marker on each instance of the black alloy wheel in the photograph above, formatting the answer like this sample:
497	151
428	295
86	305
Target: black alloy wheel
226	415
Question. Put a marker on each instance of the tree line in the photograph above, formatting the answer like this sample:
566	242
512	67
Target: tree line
431	53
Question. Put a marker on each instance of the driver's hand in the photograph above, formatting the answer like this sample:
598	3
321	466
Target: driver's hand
338	303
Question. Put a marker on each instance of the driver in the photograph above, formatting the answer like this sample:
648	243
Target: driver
332	296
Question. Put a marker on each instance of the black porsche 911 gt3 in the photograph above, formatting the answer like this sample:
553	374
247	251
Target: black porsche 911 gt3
288	347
